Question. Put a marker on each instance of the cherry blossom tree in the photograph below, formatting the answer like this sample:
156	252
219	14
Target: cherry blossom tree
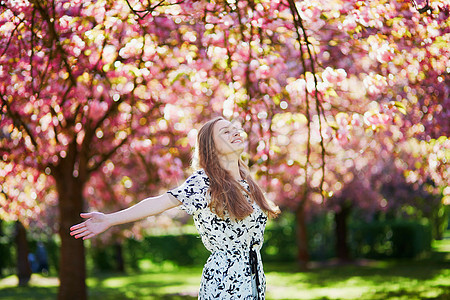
73	99
94	91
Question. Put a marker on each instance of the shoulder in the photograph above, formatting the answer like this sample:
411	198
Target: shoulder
199	177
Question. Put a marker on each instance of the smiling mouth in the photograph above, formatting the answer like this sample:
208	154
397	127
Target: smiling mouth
236	141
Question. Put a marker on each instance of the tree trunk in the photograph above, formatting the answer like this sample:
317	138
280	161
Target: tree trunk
302	238
120	265
72	269
23	264
340	218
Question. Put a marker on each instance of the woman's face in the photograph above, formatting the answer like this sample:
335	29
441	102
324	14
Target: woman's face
227	138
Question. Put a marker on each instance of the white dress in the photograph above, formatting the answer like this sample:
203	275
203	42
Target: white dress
227	273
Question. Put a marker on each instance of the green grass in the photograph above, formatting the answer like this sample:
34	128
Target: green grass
427	278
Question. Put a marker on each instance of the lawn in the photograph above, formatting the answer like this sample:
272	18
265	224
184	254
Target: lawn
427	278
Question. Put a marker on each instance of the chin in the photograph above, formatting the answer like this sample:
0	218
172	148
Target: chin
233	149
240	149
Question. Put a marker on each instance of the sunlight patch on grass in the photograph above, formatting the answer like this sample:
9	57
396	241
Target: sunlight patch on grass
299	286
10	281
147	265
443	277
384	281
431	293
442	245
175	278
36	280
42	281
180	283
293	292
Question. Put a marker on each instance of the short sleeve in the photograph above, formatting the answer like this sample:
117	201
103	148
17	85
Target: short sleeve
192	193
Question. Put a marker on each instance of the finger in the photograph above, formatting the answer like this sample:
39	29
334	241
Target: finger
75	232
76	236
86	215
89	236
77	226
85	233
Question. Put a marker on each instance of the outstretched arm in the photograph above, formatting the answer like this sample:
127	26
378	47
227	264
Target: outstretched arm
98	222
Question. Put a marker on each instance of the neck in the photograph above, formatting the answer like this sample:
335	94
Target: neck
231	164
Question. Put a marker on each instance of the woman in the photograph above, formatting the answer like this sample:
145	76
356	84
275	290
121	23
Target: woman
229	211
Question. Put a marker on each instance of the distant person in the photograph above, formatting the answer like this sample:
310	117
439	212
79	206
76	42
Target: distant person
33	262
229	211
41	258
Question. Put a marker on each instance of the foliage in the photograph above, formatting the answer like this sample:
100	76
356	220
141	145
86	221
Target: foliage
7	253
394	239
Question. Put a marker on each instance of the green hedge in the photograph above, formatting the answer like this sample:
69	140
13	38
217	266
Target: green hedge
7	256
280	243
390	239
186	249
377	240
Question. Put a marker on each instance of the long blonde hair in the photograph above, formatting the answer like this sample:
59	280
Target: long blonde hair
226	192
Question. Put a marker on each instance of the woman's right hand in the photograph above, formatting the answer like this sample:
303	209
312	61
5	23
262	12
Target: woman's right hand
96	223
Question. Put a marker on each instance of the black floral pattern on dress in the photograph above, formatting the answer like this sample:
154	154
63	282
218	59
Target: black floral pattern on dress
227	272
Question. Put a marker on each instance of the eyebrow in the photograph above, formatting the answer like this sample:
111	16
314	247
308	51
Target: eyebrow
225	127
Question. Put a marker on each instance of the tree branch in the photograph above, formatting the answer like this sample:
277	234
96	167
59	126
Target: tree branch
54	114
308	117
299	23
424	9
32	49
149	8
10	38
17	121
106	156
55	38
